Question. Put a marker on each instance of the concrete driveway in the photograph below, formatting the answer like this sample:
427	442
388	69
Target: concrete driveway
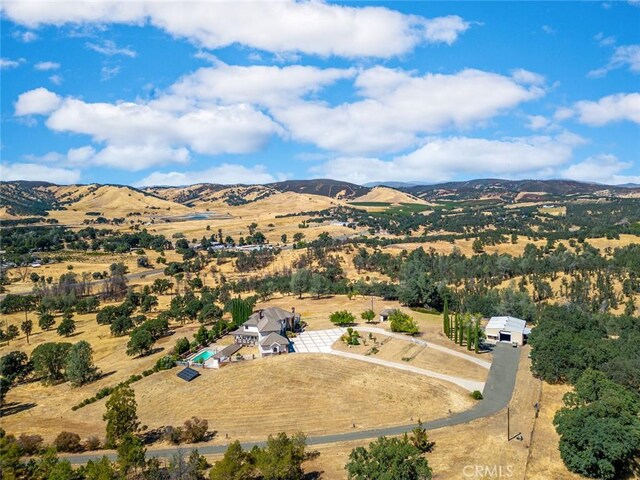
319	341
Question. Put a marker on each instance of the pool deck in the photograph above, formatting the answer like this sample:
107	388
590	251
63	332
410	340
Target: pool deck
192	358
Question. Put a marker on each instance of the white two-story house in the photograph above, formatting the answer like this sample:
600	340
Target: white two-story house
267	329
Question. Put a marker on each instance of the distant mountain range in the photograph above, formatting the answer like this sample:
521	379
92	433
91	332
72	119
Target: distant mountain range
511	189
394	184
24	198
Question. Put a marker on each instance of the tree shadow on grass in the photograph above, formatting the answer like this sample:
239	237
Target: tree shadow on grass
15	407
486	348
315	475
153	351
102	375
151	436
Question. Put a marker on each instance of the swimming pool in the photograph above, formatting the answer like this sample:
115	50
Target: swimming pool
203	356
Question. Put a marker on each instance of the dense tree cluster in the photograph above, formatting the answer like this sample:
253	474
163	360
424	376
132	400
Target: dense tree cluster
599	424
280	459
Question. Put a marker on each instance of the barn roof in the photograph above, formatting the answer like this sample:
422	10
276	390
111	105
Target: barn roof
508	323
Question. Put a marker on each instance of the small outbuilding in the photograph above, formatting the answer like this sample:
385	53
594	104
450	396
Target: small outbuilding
386	313
507	329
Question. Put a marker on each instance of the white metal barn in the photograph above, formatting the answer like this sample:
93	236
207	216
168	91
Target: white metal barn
507	329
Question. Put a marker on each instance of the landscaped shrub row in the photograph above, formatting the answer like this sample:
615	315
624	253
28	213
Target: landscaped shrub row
65	442
164	363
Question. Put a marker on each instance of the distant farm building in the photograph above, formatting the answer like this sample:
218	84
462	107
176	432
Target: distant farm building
507	329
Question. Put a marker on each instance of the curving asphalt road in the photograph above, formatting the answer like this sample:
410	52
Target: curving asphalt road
497	394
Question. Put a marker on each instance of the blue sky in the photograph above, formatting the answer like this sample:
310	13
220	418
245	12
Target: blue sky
176	93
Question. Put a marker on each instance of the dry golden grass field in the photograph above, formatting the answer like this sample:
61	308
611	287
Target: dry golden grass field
282	392
481	445
313	393
427	358
544	461
389	195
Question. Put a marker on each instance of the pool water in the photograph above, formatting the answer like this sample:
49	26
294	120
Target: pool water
203	357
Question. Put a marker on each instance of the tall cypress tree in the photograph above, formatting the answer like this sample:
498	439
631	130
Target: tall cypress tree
455	329
477	335
445	316
469	337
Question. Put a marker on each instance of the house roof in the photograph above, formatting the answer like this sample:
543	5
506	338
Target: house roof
269	325
508	323
269	319
388	311
242	331
274	338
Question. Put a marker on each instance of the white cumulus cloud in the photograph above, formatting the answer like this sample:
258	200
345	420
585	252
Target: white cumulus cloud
442	159
6	63
135	136
398	107
46	66
537	122
34	171
623	56
224	174
264	85
312	27
612	108
25	37
37	102
603	168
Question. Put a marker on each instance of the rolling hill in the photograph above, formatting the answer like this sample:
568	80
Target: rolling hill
211	194
23	199
39	199
388	195
325	187
513	190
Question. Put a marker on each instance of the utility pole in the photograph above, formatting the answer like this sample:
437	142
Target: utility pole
508	425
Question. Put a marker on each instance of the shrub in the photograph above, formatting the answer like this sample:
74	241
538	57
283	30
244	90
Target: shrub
172	435
165	363
195	430
342	317
104	392
476	395
368	315
132	379
92	443
29	444
401	322
68	442
146	373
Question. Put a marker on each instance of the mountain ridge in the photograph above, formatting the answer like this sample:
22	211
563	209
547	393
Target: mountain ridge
25	198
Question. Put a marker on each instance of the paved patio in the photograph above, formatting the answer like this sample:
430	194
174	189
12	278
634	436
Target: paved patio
319	341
